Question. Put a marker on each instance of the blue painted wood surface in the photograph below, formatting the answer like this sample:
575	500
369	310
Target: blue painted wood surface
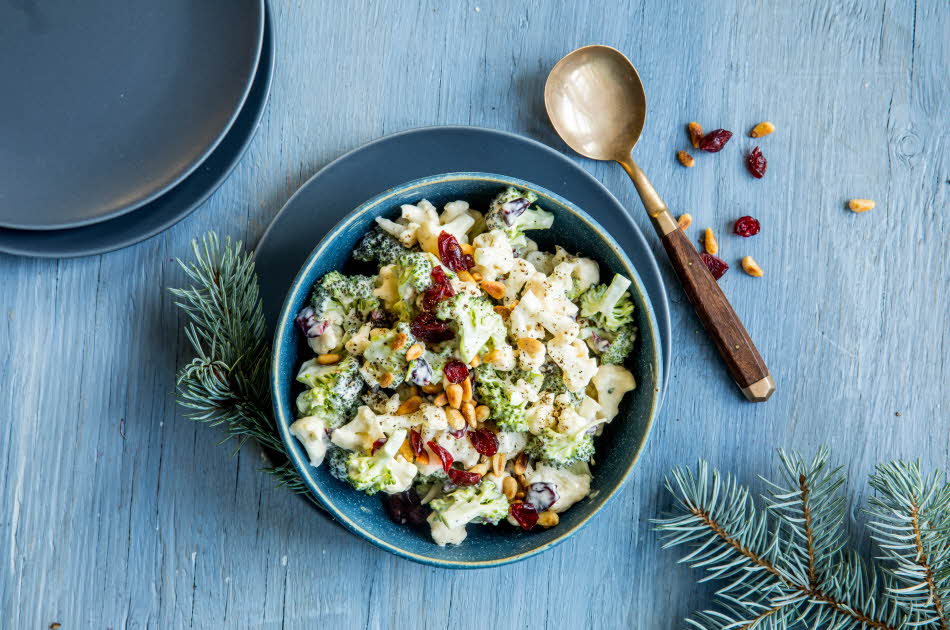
120	513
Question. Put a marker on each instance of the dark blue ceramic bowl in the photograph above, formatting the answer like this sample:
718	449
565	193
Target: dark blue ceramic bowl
617	449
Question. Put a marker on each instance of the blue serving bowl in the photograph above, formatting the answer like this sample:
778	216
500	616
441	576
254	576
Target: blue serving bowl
617	449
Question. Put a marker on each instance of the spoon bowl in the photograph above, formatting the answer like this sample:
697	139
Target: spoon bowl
596	102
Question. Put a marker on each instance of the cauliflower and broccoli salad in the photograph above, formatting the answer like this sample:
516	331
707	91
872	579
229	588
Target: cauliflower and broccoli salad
466	375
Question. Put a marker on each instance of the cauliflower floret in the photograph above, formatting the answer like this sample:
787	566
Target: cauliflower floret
359	341
493	255
453	209
573	418
329	340
570	354
483	503
611	383
443	535
359	433
461	449
511	443
521	271
531	361
387	286
584	272
312	433
572	483
545	302
405	233
541	414
542	261
504	358
523	320
453	220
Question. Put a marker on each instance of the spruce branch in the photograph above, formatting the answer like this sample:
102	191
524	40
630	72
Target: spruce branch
784	566
225	384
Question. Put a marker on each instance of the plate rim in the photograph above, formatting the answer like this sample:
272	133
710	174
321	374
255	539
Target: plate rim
301	463
262	19
265	71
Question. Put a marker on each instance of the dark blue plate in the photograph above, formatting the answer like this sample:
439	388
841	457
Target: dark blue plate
617	449
382	164
108	105
170	208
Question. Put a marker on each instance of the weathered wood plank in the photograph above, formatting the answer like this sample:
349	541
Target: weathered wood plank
162	527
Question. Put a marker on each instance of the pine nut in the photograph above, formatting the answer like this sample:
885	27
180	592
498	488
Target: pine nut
762	129
410	405
498	463
467	248
530	345
504	311
509	487
476	361
492	356
454	394
751	267
468	412
465	276
494	289
441	400
685	221
522	481
328	359
477	277
433	388
414	352
400	341
467	389
695	131
406	450
521	464
480	468
482	412
520	494
861	205
710	242
455	419
422	458
686	159
548	518
386	380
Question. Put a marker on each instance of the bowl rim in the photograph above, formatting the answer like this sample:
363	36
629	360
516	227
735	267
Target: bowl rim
285	416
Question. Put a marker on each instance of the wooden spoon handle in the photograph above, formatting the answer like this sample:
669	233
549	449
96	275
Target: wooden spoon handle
722	324
735	346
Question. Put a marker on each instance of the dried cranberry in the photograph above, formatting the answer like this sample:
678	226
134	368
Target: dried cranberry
756	163
468	260
746	226
308	323
715	140
430	329
415	441
513	209
525	514
455	371
542	495
484	441
439	290
717	266
463	477
443	454
450	252
460	433
376	445
406	507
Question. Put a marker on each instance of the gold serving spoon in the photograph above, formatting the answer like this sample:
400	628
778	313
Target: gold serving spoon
596	103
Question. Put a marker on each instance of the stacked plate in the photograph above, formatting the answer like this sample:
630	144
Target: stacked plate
121	118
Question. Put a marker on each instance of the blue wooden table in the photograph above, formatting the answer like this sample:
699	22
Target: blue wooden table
119	513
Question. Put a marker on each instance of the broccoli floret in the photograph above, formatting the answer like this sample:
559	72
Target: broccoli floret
334	390
382	358
470	504
336	462
609	307
378	246
612	346
381	470
476	322
511	213
560	449
415	270
345	301
412	272
507	405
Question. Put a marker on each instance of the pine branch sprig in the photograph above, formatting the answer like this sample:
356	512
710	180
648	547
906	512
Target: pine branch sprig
226	384
785	565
